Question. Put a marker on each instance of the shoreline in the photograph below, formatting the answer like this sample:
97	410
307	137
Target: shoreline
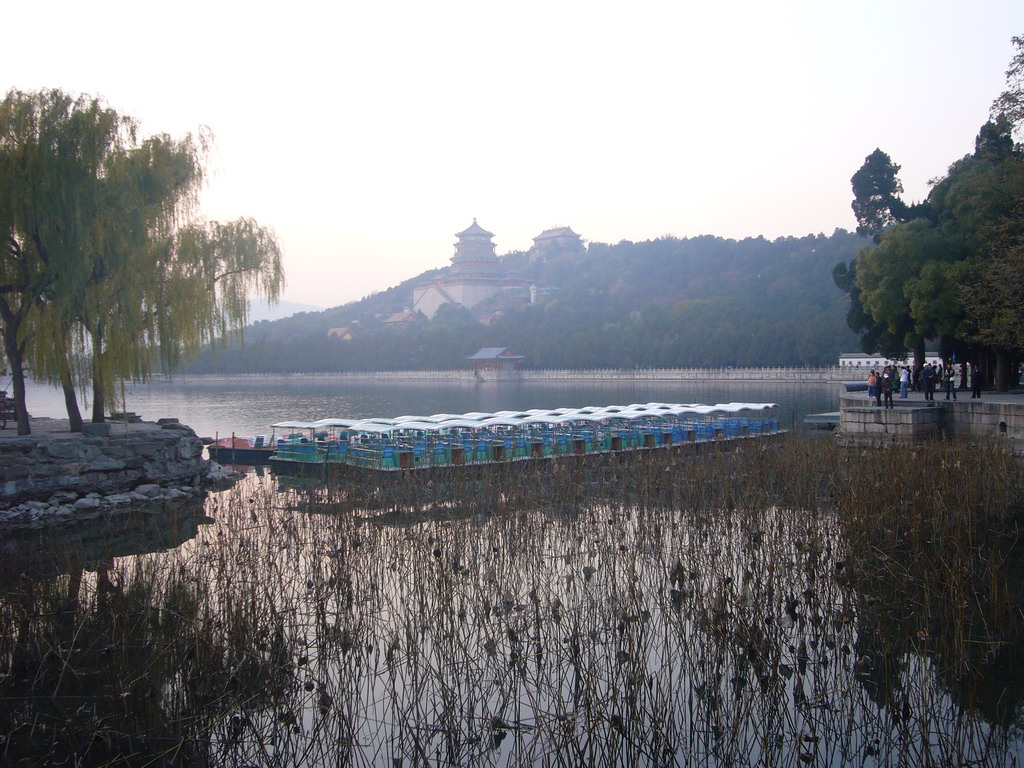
772	374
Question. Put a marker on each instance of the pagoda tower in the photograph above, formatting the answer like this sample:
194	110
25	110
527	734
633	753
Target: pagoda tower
475	276
474	253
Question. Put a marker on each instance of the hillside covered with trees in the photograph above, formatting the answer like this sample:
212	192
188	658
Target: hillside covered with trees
704	301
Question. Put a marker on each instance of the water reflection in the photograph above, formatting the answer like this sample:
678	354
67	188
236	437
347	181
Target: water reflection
682	613
64	547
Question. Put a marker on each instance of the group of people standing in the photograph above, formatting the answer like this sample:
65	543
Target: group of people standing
881	385
926	379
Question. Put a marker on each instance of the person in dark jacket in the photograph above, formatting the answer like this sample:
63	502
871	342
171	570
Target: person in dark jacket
928	381
887	383
975	382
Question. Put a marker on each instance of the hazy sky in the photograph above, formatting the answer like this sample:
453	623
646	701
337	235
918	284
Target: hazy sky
366	134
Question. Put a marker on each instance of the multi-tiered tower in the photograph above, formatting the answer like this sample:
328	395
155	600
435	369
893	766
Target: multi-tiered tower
475	276
474	252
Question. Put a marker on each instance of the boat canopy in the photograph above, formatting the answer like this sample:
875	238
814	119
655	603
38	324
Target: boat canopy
294	425
478	420
334	423
501	421
438	417
372	427
541	418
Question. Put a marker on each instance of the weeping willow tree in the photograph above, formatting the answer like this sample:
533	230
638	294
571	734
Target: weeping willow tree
141	281
211	270
52	151
149	191
162	282
184	290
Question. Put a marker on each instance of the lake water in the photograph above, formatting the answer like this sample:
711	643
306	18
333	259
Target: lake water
659	612
249	405
732	608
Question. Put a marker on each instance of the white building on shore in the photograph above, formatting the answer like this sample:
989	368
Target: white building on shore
862	361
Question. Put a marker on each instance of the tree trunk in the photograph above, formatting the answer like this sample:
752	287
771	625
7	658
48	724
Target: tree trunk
66	384
98	404
15	356
18	382
98	394
1002	370
919	355
71	404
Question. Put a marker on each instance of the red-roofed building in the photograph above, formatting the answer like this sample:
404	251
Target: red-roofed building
500	359
345	334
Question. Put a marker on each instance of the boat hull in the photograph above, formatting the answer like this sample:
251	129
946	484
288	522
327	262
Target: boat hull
340	471
238	455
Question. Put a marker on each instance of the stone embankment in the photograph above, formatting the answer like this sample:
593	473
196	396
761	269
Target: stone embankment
55	474
998	418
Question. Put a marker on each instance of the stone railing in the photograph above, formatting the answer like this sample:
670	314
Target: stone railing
780	374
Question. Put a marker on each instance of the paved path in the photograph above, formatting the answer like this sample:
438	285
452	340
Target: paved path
1013	396
47	426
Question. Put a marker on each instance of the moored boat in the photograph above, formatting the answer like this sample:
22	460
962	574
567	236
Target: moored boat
242	450
407	443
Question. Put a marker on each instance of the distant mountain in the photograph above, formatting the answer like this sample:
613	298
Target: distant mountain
259	310
703	301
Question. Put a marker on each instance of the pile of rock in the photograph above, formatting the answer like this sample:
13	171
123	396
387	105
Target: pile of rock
55	475
66	508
